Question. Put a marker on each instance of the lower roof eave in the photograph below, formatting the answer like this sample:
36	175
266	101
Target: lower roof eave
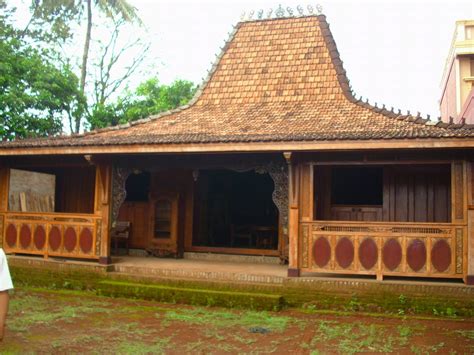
245	147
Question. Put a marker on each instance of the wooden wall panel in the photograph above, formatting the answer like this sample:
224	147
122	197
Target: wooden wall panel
75	190
417	194
137	213
306	191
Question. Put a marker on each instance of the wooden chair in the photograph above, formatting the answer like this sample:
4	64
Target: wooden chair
120	233
241	234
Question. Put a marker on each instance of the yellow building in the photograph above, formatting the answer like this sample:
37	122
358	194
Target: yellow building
457	98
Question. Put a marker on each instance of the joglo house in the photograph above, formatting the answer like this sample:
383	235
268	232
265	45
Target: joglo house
274	156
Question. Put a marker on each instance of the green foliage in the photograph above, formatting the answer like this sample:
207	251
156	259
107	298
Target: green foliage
34	93
149	99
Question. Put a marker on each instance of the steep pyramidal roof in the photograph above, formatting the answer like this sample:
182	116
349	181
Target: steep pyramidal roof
277	80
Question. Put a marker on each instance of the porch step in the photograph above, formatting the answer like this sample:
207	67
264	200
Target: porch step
251	259
201	297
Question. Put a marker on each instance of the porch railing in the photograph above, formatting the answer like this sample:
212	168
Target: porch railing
51	234
373	248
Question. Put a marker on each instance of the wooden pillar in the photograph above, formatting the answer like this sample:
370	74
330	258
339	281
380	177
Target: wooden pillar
293	216
4	191
470	227
103	208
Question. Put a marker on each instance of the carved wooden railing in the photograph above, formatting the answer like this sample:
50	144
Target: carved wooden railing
372	248
51	234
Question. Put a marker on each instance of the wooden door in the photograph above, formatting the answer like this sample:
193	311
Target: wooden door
164	225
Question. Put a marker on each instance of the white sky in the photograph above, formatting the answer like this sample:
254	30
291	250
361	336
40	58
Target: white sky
393	51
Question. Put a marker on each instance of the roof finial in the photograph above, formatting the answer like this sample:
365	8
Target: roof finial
399	111
310	9
300	10
269	13
408	112
242	16
319	9
280	12
418	114
428	116
251	13
290	11
260	14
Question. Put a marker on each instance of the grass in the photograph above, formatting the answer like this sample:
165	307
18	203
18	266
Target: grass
225	319
355	337
142	348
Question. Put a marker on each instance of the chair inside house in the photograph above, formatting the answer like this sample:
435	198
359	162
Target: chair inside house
120	234
241	236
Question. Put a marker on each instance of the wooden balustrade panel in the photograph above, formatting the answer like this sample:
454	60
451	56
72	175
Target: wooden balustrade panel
408	249
52	234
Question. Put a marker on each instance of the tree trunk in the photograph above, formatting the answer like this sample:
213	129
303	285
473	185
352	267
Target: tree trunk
85	54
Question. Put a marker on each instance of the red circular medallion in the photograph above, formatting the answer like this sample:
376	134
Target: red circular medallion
392	254
39	237
70	239
54	238
321	252
10	235
441	255
25	236
85	240
344	252
368	253
416	254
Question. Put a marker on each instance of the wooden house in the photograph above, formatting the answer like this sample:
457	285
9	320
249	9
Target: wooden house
274	156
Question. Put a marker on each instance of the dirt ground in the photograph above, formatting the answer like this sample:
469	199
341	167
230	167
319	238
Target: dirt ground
44	321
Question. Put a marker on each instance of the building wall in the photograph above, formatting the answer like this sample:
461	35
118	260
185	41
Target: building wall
36	190
465	72
448	100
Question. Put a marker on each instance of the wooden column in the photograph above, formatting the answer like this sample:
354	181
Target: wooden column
103	208
470	227
4	187
293	217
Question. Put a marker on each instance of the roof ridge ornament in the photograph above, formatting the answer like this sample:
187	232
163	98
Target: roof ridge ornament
281	12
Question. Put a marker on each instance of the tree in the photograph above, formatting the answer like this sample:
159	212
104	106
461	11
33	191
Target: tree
110	54
34	95
62	12
149	99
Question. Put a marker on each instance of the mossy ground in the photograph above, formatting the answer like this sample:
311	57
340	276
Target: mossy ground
65	321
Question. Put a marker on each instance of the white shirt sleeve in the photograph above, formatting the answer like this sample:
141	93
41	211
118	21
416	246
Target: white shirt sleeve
5	278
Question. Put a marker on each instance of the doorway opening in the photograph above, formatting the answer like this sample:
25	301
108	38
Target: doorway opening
235	210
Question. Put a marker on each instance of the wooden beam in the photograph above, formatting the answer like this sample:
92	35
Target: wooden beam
244	147
103	207
293	217
4	191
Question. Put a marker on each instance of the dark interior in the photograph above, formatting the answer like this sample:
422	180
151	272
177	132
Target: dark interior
235	209
357	186
138	187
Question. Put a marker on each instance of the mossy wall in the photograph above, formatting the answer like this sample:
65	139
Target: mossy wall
313	296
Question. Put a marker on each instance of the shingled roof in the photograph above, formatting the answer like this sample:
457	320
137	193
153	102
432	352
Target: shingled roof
277	80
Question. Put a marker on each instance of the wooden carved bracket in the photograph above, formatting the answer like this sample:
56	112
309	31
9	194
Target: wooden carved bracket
119	193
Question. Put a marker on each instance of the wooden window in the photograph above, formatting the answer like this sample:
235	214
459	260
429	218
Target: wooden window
163	219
